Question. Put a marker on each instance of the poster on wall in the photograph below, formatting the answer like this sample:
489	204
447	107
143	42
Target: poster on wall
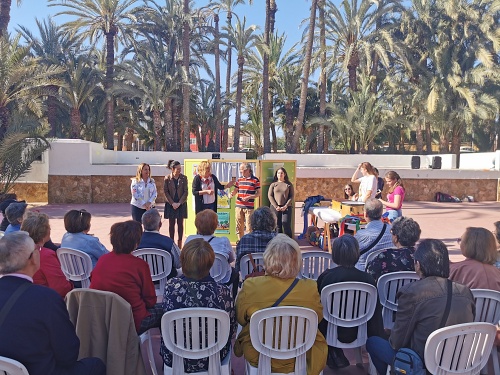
223	226
223	198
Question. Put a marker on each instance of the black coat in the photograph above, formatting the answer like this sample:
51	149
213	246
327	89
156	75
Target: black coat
198	199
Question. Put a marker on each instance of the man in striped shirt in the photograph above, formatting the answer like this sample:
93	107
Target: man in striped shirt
246	190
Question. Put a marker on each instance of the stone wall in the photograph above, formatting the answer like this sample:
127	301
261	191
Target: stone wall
116	189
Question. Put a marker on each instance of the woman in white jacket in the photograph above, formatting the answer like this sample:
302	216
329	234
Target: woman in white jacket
143	189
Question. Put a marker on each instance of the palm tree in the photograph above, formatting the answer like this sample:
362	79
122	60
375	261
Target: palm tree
306	67
96	18
23	81
5	15
243	39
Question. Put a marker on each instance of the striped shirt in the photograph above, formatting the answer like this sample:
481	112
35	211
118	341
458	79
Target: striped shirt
246	187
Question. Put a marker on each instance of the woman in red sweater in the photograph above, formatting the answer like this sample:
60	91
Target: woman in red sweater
50	273
128	276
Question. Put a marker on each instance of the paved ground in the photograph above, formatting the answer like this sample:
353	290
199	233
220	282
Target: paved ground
445	221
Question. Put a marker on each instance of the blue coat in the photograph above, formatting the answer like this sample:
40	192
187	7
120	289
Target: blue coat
159	241
37	331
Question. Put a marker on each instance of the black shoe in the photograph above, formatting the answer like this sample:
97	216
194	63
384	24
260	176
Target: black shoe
336	359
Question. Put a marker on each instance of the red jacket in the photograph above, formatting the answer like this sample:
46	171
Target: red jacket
130	278
50	273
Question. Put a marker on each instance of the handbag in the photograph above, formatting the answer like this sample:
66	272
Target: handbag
255	271
407	361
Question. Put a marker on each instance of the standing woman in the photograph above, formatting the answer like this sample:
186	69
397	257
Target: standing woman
205	186
143	189
368	182
176	192
280	196
395	197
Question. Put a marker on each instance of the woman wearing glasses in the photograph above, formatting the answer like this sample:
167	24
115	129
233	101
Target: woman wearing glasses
349	193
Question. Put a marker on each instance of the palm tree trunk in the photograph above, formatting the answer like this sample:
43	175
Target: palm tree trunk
157	128
185	78
428	137
218	117
305	79
229	55
52	110
4	121
420	138
76	123
119	146
239	94
443	144
322	76
169	125
129	138
178	130
288	126
265	82
4	16
108	84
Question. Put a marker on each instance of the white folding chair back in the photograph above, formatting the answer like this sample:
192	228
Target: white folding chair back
488	311
160	265
388	286
196	333
314	263
372	256
221	268
459	349
282	333
246	266
147	337
348	304
12	367
76	265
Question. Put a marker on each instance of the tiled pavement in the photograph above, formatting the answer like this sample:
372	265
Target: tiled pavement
445	221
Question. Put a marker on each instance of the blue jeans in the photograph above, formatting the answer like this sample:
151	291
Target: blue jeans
381	353
394	214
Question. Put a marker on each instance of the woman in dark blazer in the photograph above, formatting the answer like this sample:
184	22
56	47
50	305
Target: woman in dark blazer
175	187
205	186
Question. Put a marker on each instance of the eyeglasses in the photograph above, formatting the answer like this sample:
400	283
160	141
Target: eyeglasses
459	240
346	189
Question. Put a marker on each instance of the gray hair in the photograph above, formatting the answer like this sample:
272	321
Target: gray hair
406	230
248	166
263	219
15	251
15	212
151	219
373	209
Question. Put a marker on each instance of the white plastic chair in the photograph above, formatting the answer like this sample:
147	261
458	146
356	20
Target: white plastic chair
488	311
210	328
76	265
459	349
348	304
314	263
221	268
147	337
160	265
372	256
246	266
282	333
12	367
388	286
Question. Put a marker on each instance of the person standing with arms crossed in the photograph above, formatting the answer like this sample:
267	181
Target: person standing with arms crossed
246	190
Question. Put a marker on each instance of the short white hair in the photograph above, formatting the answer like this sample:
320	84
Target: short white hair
15	251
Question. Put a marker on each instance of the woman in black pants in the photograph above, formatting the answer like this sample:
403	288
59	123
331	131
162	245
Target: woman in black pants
280	196
176	192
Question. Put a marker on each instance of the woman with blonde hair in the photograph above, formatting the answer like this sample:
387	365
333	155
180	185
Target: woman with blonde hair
477	271
368	181
205	187
395	197
143	189
282	263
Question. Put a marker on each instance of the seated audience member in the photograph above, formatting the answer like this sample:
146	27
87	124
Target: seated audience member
151	238
377	234
50	273
196	288
36	331
14	214
345	253
77	224
349	193
206	223
263	223
422	305
283	264
497	236
128	276
5	201
405	234
477	271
